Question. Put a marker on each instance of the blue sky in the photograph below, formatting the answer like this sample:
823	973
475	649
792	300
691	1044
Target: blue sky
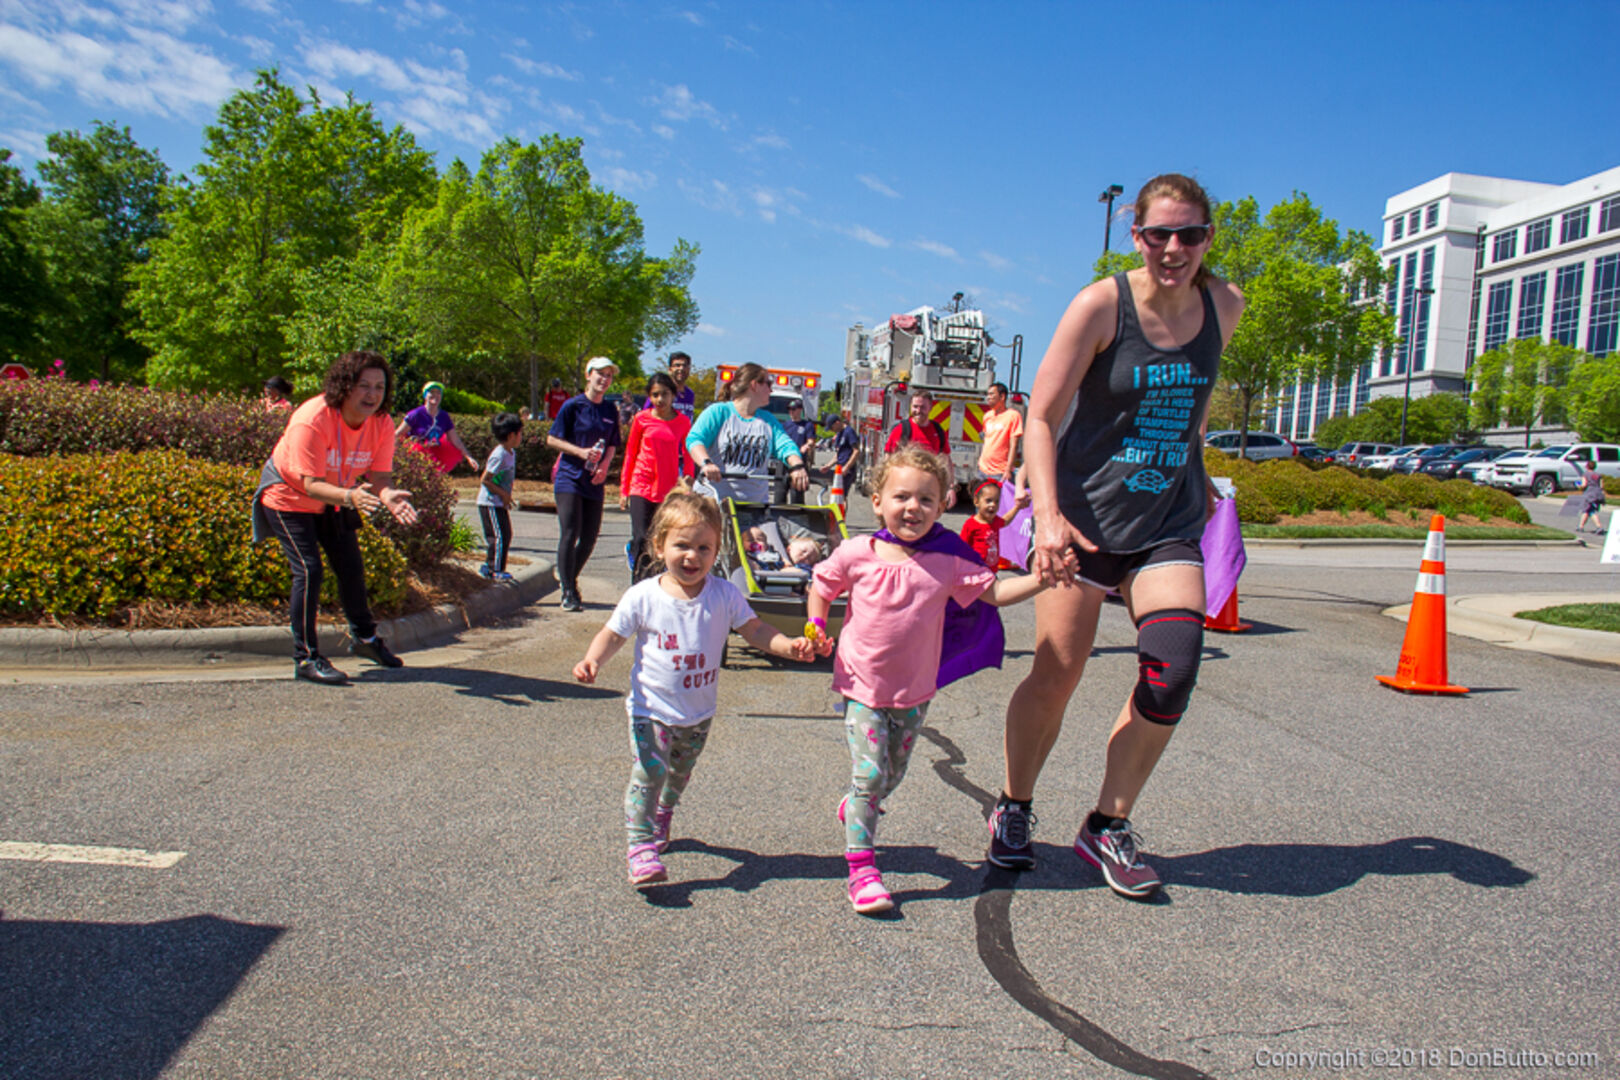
843	161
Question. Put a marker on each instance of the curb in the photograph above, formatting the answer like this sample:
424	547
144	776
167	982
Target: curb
1493	619
1417	542
207	647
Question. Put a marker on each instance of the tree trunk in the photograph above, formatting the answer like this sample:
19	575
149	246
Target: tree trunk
534	385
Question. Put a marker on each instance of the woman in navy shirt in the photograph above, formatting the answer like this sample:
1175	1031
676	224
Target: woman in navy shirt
585	436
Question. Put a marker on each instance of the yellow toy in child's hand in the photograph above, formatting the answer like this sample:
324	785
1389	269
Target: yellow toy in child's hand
816	629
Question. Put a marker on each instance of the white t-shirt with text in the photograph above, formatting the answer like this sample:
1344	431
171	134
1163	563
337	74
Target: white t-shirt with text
678	644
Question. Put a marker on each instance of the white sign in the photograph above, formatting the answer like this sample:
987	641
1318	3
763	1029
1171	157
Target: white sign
1224	485
1611	547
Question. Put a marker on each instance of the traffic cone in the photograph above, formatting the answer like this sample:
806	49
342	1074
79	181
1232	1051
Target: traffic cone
1422	667
1226	620
838	499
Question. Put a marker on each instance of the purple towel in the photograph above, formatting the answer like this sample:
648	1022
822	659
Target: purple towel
1016	535
1223	555
974	638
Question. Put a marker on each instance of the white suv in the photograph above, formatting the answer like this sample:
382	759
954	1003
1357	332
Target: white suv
1262	444
1556	467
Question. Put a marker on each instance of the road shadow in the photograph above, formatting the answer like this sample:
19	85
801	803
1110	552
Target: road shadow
115	1001
1319	869
501	686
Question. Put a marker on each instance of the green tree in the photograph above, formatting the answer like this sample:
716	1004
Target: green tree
528	261
1301	280
1110	263
23	289
1525	382
288	183
102	213
1594	398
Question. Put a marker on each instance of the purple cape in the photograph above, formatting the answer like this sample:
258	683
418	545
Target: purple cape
974	638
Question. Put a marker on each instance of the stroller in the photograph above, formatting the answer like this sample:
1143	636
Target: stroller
777	590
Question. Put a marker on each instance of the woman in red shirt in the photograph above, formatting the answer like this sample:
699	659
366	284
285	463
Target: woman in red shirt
332	465
654	459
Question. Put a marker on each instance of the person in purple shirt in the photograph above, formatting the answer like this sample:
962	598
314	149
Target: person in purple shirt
431	428
680	369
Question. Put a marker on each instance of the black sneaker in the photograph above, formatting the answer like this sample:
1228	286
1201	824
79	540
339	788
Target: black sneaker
377	651
571	601
318	669
1010	826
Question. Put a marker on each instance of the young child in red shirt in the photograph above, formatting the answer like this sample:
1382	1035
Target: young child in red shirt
982	531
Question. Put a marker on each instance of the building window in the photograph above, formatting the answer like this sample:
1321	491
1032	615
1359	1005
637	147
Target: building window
1397	228
1572	226
1604	323
1532	305
1537	235
1412	220
1408	314
1363	386
1391	288
1566	306
1431	215
1324	399
1285	418
1420	355
1496	316
1341	396
1504	245
1609	216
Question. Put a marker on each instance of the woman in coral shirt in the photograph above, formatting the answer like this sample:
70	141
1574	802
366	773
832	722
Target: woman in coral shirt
654	459
332	465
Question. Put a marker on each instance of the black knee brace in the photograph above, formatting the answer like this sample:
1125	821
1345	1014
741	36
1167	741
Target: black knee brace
1169	644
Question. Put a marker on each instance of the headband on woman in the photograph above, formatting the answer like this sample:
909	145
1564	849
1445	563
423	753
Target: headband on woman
432	386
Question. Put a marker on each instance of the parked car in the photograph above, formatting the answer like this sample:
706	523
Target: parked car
1355	454
1557	467
1438	452
1261	444
1465	465
1387	461
1315	453
1487	474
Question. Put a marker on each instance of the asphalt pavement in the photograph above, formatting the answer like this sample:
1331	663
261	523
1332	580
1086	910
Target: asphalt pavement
422	875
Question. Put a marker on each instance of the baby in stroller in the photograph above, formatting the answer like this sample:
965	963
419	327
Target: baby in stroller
803	551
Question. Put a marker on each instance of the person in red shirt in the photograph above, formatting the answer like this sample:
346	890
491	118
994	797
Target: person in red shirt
982	531
556	398
920	429
654	460
334	463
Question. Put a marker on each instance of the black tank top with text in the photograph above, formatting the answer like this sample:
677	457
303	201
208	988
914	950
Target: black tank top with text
1130	470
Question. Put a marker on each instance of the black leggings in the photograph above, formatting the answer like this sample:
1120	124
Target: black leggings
579	522
497	523
303	537
641	515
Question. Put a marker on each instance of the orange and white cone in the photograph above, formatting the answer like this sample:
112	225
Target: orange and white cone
1422	667
838	498
1226	620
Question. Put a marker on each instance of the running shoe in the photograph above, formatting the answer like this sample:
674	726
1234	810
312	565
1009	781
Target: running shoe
1114	851
377	651
501	577
571	600
485	572
1010	826
318	669
645	866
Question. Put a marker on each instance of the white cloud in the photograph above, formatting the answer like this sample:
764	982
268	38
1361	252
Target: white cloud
773	140
866	236
935	247
263	7
878	186
437	99
260	49
623	180
25	143
679	103
690	16
151	71
663	131
714	195
711	329
542	67
996	262
734	45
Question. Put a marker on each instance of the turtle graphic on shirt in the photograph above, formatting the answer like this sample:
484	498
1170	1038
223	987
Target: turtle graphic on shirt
1151	481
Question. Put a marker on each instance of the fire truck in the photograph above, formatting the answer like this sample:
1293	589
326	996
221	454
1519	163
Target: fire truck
792	384
947	354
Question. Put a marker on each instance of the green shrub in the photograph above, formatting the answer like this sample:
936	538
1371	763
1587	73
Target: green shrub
534	457
428	541
1411	490
90	534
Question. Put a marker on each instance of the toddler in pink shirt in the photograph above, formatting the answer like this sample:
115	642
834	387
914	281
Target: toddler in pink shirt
898	586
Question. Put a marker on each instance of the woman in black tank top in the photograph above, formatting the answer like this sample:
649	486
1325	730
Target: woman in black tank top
1114	447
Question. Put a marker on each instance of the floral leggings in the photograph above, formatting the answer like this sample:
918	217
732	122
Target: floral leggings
665	754
880	742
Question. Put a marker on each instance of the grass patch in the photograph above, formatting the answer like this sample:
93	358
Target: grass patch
1581	616
1400	532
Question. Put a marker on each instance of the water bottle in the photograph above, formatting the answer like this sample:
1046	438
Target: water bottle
595	456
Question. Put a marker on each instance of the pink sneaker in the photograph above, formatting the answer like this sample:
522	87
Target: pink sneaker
661	818
866	891
645	867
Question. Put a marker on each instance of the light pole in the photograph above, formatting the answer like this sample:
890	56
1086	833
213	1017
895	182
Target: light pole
1416	302
1112	192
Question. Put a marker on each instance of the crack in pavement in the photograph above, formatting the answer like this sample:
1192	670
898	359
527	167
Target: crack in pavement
999	953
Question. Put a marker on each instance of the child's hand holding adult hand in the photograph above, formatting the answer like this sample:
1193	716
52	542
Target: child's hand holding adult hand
802	649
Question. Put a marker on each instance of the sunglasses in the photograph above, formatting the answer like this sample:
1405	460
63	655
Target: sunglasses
1189	235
